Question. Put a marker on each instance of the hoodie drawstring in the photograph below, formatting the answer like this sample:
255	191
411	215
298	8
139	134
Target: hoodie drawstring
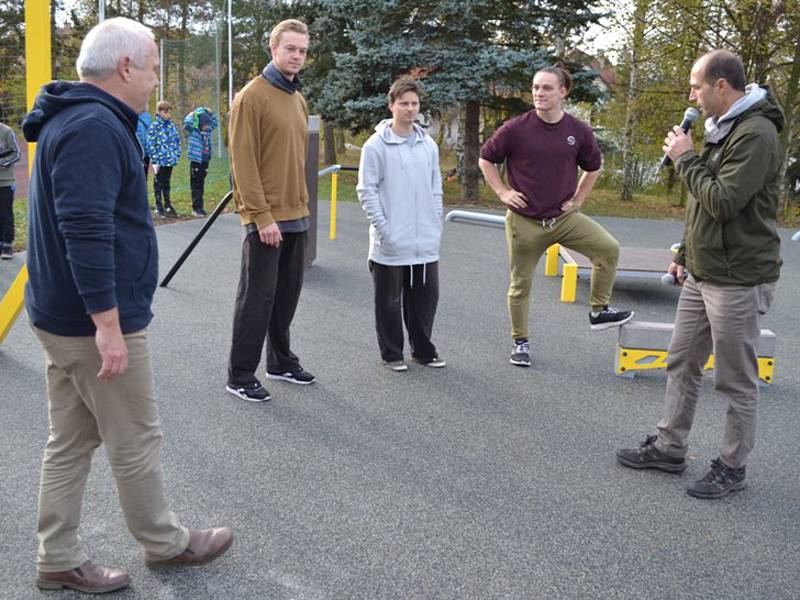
424	275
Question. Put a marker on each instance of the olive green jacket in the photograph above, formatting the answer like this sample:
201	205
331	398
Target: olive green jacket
731	234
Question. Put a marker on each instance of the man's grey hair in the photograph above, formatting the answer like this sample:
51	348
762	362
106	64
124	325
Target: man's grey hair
109	42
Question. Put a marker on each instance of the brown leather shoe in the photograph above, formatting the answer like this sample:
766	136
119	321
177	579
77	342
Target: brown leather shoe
204	546
87	578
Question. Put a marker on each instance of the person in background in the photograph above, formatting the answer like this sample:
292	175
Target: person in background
400	189
142	125
9	154
199	124
164	148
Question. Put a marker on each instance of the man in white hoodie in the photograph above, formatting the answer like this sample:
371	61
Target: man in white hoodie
400	189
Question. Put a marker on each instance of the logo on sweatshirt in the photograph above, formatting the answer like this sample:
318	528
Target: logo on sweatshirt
571	140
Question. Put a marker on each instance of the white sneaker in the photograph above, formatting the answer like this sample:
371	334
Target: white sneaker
395	365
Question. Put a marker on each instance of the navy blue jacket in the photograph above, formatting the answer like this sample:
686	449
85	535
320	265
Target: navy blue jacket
91	242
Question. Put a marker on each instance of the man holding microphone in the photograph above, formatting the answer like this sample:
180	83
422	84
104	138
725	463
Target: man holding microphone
728	264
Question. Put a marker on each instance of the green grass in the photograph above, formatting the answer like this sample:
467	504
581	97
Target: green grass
602	202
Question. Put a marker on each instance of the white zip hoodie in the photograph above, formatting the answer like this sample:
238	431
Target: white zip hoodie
400	189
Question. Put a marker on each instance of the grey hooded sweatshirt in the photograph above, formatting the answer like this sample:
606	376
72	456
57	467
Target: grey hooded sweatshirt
400	189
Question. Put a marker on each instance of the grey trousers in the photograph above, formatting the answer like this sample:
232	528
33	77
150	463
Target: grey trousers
84	413
724	319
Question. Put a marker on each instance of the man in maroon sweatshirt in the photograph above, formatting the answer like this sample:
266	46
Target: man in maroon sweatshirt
543	149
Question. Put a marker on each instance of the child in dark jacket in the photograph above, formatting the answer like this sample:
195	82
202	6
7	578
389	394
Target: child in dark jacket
199	124
164	148
9	154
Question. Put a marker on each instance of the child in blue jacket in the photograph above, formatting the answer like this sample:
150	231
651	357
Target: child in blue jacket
199	124
164	148
142	125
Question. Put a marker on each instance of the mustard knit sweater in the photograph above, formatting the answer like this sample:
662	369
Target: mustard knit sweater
268	137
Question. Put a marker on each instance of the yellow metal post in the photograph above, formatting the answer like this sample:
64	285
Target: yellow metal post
334	181
569	282
551	261
38	67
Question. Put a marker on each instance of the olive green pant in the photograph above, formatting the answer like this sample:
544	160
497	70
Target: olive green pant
529	238
84	413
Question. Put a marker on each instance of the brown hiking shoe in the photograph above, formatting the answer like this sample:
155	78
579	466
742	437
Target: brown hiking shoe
87	578
204	546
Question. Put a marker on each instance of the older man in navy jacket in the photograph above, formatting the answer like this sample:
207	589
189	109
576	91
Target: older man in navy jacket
93	264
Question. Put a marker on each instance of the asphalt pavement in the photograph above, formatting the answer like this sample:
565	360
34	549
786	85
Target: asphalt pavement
479	480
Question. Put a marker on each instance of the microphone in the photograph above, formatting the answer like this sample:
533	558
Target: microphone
670	279
689	117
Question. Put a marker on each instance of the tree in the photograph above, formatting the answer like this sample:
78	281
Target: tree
470	53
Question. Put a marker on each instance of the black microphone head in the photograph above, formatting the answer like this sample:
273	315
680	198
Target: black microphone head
690	116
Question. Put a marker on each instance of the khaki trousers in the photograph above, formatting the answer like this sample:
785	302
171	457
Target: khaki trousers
723	319
84	413
528	239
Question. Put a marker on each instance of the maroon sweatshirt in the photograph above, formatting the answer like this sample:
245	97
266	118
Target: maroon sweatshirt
543	159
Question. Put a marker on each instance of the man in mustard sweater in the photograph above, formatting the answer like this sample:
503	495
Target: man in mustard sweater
268	139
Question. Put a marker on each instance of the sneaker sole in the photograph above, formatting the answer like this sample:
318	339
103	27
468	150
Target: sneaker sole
236	393
43	584
400	369
602	326
519	363
715	496
289	379
666	467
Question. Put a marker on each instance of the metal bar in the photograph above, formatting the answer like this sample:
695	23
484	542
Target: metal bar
331	169
209	222
217	61
230	55
476	218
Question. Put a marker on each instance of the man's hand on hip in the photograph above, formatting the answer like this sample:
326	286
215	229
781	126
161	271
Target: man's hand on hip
512	198
111	344
271	235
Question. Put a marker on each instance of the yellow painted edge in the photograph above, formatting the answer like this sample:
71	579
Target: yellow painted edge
569	283
551	260
627	359
12	302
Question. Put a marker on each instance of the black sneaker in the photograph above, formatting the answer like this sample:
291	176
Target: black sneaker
6	252
521	354
435	362
647	456
720	481
253	392
300	377
170	210
199	213
609	317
